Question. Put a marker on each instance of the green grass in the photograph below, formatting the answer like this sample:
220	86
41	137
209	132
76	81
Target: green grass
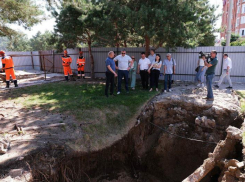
86	102
242	95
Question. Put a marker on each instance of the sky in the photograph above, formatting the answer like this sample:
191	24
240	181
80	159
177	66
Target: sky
48	25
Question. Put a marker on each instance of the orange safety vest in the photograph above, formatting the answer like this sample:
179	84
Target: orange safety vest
66	61
8	61
81	61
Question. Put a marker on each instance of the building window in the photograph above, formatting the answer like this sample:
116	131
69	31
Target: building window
243	8
243	20
237	22
238	2
242	32
238	9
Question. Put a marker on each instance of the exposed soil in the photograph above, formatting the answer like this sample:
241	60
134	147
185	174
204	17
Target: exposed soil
166	144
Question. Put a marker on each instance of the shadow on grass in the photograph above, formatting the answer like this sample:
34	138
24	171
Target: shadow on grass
86	103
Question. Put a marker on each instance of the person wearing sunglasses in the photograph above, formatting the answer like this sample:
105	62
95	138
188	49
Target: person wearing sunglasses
168	71
123	69
132	73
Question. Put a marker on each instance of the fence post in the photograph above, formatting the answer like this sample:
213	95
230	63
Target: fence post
222	62
53	59
44	68
32	60
40	61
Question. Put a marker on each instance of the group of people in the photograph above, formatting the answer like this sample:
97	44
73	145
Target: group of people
202	70
124	66
66	63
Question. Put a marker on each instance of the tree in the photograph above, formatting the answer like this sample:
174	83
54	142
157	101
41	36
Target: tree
172	23
42	41
24	13
234	38
19	42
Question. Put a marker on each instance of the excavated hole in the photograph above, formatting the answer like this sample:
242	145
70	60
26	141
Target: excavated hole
148	153
214	175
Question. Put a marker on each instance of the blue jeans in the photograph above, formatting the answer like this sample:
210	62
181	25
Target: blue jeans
167	81
209	80
121	74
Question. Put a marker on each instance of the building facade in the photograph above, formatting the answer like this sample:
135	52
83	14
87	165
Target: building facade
238	18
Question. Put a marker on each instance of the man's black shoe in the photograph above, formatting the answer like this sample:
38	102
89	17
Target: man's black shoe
113	95
107	96
229	87
217	86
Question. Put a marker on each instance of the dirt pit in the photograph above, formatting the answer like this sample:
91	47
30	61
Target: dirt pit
172	136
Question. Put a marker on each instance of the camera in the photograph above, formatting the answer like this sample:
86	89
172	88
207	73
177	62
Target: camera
207	56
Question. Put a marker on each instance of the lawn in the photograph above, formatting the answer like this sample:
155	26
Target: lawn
242	95
86	102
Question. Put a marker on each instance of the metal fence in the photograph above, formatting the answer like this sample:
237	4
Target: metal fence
186	60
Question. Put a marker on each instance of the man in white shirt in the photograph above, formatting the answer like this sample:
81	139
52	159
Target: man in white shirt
123	69
152	56
143	66
226	71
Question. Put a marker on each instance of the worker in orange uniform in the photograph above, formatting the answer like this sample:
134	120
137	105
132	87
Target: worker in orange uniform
81	65
8	67
66	62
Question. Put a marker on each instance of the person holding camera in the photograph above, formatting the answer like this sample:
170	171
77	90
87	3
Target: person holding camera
226	72
210	74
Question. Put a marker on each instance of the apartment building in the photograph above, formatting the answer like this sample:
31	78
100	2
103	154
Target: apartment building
238	18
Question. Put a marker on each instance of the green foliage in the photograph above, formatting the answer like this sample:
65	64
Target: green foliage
234	38
42	41
21	42
169	23
23	12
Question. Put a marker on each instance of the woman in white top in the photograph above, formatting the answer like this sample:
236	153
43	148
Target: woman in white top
155	71
201	71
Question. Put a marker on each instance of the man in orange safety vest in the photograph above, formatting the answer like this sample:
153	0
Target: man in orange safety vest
8	67
66	63
81	65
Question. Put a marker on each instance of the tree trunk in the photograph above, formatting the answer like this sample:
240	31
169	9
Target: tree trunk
147	45
125	43
91	58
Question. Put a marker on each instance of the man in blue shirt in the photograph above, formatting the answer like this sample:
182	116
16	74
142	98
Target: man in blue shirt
110	73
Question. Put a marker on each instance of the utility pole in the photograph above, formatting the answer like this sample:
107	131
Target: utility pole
228	33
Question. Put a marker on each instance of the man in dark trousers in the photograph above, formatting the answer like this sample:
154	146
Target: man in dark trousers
110	73
8	68
143	66
210	74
